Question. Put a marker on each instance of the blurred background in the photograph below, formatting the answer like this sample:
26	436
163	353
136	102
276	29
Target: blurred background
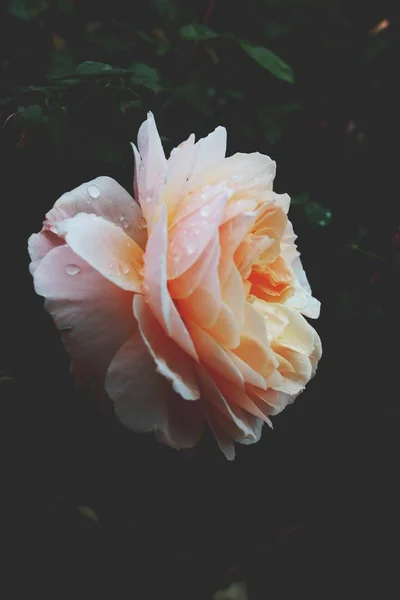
90	510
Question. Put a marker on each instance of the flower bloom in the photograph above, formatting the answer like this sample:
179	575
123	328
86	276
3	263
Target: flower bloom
185	305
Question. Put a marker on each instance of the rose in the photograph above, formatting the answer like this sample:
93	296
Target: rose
185	305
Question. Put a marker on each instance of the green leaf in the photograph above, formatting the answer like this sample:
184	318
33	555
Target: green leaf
97	69
62	64
27	9
88	513
167	9
317	214
145	75
197	32
30	114
269	61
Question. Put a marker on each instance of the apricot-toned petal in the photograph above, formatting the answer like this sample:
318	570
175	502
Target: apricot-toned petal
40	244
209	151
239	397
298	334
104	197
213	396
203	305
246	171
233	295
152	168
105	247
94	316
225	329
155	285
184	286
179	167
231	234
191	235
254	347
275	401
144	400
316	353
172	362
249	375
213	355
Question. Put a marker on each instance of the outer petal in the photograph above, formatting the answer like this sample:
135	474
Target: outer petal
104	197
204	304
172	362
208	152
144	400
155	285
94	315
191	235
152	169
105	247
40	244
246	171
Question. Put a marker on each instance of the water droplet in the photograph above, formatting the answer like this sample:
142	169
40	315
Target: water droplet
190	249
93	191
72	270
205	211
176	258
142	223
125	269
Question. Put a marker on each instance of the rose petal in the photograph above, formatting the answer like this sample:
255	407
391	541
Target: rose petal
104	197
190	236
94	315
203	305
213	355
152	169
208	152
144	400
155	285
105	247
40	244
172	362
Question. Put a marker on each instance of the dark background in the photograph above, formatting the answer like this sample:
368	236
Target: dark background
312	510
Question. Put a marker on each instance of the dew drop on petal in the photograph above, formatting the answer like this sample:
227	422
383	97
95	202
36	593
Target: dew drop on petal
72	270
125	269
93	191
142	223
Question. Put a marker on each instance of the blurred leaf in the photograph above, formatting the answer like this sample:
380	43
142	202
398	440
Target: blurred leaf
61	65
88	513
197	32
195	93
4	377
166	9
269	61
270	126
30	114
145	75
236	591
317	214
130	104
27	9
97	69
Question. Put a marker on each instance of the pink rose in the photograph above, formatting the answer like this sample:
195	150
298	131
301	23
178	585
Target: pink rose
185	305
